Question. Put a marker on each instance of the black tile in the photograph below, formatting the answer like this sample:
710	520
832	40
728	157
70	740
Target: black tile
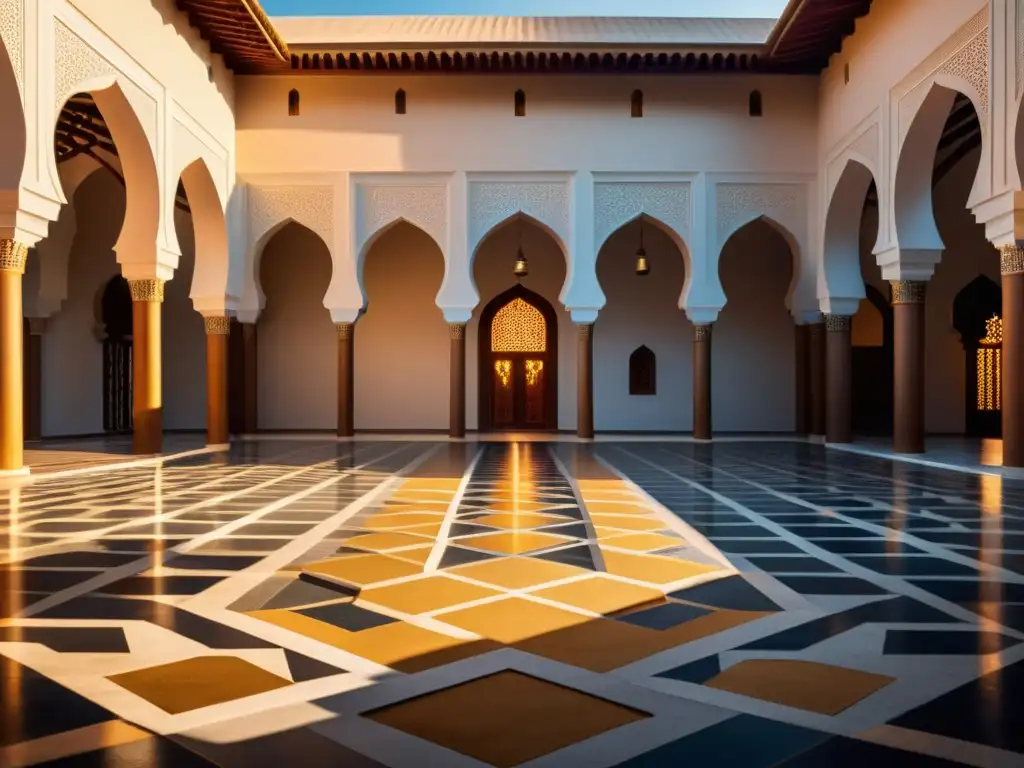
164	585
155	752
878	546
733	592
726	531
212	562
665	616
972	590
468	529
843	752
80	560
580	555
69	639
756	546
302	592
288	530
917	565
831	585
825	531
454	556
305	668
932	642
18	580
699	671
347	616
792	564
578	530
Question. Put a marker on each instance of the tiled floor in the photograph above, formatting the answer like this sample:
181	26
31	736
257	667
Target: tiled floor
418	603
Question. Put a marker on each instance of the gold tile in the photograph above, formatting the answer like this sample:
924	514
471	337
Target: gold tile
614	524
380	542
522	520
398	645
405	520
513	543
360	570
423	507
518	573
419	555
645	542
599	645
601	594
511	620
808	685
505	719
428	529
427	594
431	484
652	568
612	484
182	686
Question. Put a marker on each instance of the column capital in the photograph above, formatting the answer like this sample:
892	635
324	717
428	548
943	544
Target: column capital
908	291
702	331
150	289
456	330
837	323
217	325
584	330
37	325
1011	259
584	315
13	256
808	317
344	330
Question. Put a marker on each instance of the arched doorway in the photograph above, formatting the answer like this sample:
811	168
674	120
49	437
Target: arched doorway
518	362
116	317
977	317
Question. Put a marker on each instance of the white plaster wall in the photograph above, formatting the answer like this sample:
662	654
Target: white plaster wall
642	311
297	347
467	123
184	341
752	352
492	270
401	341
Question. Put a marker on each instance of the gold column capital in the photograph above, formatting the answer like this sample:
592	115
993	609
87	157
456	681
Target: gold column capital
1011	259
217	326
344	330
584	330
13	256
837	323
702	332
908	291
147	290
456	330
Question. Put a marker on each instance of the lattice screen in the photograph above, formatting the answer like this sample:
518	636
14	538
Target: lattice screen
519	327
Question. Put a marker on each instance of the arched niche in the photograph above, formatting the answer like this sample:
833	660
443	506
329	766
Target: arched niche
493	263
297	348
642	311
977	318
401	340
753	335
643	372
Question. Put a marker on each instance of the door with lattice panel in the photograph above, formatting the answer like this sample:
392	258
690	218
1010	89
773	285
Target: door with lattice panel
519	364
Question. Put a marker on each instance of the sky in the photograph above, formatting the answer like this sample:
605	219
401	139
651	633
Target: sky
741	8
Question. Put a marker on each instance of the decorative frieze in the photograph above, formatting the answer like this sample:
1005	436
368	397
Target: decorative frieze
617	203
146	290
423	205
492	202
217	326
13	256
344	330
908	291
738	204
1011	259
702	332
456	330
12	34
837	323
310	206
75	61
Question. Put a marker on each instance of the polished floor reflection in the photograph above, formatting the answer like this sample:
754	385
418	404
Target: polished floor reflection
417	603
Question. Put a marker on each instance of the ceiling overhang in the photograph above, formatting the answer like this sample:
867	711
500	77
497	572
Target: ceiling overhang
240	31
809	32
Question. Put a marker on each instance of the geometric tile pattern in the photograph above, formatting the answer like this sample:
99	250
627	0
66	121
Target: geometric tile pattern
411	603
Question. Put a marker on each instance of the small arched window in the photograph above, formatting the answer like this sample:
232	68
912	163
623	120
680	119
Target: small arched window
642	373
293	103
756	105
636	104
520	103
399	102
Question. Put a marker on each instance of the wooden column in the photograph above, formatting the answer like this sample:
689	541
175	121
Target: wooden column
702	381
345	380
816	363
802	377
250	391
217	330
12	266
908	365
33	397
1012	267
585	381
457	383
147	400
838	379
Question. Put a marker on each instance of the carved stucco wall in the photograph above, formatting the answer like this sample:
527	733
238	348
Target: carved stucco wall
492	202
380	205
616	203
12	33
310	206
1020	47
738	204
74	62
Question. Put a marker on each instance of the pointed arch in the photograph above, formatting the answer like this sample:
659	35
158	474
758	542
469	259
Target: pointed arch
261	245
802	275
210	274
15	131
400	102
372	237
293	102
841	252
973	306
643	379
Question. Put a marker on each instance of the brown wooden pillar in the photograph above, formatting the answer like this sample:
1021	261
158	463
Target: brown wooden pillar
250	391
217	330
838	379
585	381
13	256
816	363
457	383
1012	267
702	381
33	397
802	377
346	400
147	400
908	365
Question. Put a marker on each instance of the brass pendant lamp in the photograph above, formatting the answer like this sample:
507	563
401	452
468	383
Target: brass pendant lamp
642	268
521	268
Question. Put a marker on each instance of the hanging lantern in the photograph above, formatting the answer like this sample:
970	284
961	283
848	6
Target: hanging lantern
642	268
521	269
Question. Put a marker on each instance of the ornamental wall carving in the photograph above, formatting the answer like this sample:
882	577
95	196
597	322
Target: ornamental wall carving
492	202
380	205
12	33
617	203
738	204
310	206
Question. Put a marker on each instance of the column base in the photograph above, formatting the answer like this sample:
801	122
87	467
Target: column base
218	446
9	473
